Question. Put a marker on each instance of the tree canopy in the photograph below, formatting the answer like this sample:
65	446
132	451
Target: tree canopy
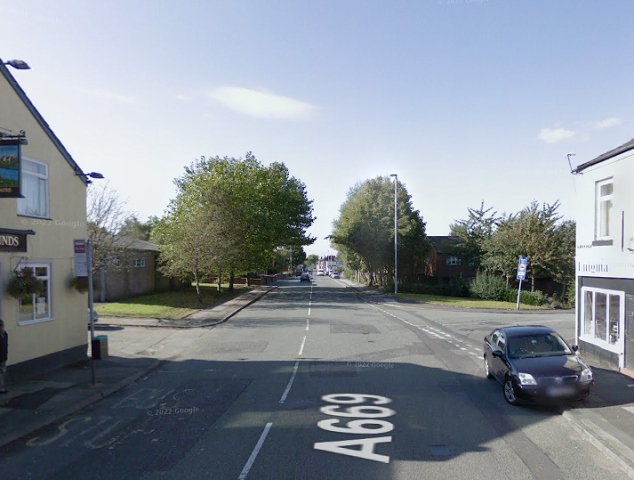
364	232
233	214
495	243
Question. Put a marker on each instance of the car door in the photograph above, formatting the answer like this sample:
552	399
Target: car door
498	364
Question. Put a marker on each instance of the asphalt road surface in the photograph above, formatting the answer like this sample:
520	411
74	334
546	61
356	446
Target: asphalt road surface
312	382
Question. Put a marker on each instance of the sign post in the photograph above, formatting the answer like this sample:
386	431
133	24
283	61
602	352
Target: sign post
521	275
83	268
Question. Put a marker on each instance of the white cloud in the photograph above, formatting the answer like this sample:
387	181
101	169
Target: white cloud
112	96
260	104
554	135
180	96
607	123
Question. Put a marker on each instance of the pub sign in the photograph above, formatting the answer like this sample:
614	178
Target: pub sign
10	168
13	241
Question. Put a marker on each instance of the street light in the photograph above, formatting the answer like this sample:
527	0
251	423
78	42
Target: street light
395	234
17	64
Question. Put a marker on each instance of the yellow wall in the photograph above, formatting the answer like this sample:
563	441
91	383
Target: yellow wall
52	242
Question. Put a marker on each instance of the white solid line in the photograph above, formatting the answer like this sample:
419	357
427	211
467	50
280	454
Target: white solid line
254	453
301	349
290	383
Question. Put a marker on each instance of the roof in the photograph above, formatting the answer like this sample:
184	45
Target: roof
443	241
4	71
521	330
135	244
606	156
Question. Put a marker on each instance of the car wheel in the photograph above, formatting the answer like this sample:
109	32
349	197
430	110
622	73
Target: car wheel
509	392
487	369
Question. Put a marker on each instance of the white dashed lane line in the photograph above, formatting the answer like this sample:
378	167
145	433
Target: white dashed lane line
436	333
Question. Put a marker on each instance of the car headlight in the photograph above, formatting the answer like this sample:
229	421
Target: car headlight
586	375
526	379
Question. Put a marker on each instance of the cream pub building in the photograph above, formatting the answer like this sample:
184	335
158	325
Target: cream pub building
47	329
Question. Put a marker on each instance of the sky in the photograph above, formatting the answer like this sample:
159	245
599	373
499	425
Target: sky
467	101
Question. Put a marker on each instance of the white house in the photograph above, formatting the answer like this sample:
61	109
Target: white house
605	258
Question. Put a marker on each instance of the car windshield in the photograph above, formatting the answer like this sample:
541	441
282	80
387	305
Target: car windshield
537	345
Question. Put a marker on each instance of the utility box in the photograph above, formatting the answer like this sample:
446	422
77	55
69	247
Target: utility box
100	347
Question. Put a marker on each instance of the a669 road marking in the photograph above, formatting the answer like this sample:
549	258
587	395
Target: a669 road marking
368	423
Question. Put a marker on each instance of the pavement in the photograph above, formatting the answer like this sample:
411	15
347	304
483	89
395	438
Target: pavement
39	401
605	419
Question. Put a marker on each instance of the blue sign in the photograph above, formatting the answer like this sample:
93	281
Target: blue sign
521	268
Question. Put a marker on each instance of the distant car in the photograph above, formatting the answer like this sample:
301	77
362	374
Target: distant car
335	275
535	365
320	272
304	277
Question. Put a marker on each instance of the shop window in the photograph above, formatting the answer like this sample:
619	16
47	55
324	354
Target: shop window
587	313
603	313
600	315
34	189
36	307
614	332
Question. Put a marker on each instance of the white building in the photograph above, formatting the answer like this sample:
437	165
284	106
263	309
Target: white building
605	258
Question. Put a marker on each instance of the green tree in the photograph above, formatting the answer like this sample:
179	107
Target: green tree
134	228
533	232
246	212
473	232
364	232
312	259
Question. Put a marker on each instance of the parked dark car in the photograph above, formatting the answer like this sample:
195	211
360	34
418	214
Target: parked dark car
304	277
535	365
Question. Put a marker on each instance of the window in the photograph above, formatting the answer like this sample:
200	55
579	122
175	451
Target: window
587	316
603	209
36	307
603	316
502	343
139	262
34	189
453	260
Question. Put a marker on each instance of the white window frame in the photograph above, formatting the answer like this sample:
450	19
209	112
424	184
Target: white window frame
139	262
22	202
47	278
453	260
591	337
600	222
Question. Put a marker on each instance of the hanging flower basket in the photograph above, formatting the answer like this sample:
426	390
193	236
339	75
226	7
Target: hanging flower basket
24	282
79	283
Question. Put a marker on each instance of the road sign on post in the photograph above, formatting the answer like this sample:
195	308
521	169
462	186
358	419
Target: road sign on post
521	275
81	259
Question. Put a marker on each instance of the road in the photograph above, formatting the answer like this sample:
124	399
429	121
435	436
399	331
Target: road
313	382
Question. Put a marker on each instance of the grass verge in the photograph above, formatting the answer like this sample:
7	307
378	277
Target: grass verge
462	302
171	305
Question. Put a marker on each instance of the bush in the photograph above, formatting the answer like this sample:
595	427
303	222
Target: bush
488	287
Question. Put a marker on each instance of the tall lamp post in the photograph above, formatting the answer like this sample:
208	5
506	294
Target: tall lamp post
395	234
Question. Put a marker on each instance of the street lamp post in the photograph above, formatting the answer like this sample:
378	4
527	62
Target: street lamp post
395	234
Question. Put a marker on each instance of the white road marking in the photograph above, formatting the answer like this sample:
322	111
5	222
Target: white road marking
254	453
431	331
307	325
290	383
301	349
